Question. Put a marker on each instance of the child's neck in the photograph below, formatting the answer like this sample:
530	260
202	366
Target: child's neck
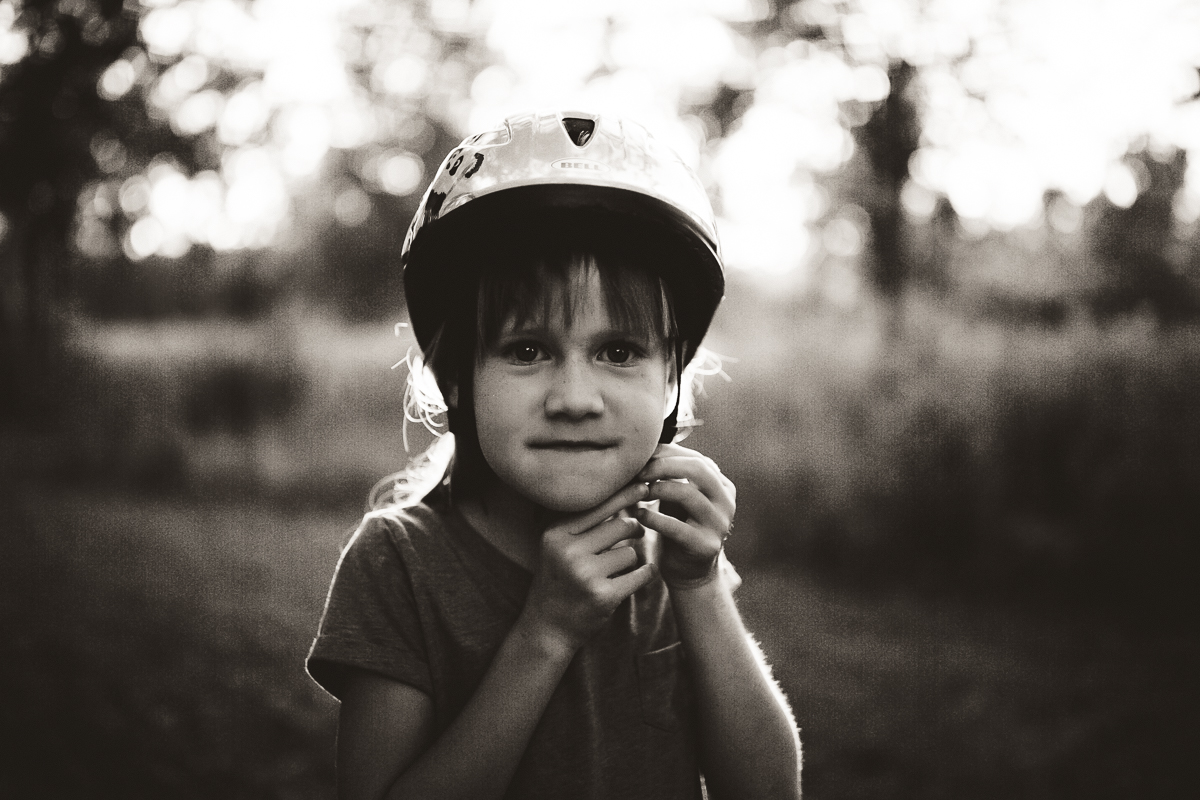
511	522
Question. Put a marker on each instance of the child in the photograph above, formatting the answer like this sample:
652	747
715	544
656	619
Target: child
533	626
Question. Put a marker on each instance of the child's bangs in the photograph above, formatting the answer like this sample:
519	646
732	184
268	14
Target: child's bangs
532	293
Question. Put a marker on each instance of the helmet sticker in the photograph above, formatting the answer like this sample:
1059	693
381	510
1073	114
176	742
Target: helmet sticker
471	170
455	160
433	207
580	163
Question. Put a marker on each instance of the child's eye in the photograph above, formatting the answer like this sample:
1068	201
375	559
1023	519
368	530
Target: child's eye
524	352
618	353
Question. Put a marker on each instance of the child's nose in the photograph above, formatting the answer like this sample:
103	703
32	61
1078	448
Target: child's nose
573	393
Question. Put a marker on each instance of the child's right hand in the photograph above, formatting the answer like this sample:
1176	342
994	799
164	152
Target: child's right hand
580	581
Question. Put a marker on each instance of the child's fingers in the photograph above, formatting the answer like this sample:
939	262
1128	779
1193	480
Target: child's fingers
630	582
603	536
686	536
629	495
700	509
700	471
616	561
674	462
692	556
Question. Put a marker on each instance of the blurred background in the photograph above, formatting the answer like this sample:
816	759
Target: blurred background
961	340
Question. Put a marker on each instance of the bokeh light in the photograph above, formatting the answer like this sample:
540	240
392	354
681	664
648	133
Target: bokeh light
1048	95
117	80
14	44
1016	99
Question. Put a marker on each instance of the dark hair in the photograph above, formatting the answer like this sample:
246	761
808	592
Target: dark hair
527	291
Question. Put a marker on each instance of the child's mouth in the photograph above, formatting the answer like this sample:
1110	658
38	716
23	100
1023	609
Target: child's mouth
571	446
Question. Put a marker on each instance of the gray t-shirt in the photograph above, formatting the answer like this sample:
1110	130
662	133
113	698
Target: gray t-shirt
420	597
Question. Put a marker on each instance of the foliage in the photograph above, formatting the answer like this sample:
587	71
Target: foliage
49	114
958	453
286	149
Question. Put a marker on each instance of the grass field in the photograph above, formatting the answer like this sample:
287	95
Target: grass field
153	649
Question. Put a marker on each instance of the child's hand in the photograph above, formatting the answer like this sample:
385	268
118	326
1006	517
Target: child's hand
694	484
581	577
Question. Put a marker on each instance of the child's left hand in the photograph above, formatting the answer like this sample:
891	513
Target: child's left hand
692	482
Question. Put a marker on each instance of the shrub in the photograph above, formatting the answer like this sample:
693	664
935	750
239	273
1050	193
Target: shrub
924	447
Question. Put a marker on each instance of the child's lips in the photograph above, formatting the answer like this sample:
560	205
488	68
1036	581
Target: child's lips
572	445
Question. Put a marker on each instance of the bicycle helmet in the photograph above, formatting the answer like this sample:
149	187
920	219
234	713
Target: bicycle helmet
540	167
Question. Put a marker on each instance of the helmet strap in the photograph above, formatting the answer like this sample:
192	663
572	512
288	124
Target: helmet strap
671	423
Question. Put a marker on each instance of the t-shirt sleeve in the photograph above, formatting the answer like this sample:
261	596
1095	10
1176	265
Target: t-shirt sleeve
371	617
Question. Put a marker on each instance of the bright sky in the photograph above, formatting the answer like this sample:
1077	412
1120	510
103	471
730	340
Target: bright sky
1054	93
1018	97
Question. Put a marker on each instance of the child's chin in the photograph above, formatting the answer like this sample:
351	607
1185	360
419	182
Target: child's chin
573	499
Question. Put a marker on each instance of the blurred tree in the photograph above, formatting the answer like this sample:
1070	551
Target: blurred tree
1135	246
271	154
890	137
49	116
987	108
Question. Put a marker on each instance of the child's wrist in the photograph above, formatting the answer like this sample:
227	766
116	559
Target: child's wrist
701	597
544	640
685	583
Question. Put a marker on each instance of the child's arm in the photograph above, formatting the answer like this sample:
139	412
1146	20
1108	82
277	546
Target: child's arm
386	746
749	744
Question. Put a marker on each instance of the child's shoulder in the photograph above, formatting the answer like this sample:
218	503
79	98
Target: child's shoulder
426	535
431	548
401	526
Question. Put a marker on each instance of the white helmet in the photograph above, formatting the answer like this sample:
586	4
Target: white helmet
565	162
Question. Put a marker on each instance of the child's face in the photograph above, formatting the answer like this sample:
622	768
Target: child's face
566	416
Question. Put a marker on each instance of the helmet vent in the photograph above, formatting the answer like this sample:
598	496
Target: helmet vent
579	130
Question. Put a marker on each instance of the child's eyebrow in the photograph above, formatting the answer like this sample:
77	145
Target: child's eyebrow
539	330
623	333
524	329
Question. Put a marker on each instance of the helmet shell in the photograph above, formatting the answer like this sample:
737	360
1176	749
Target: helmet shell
564	162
